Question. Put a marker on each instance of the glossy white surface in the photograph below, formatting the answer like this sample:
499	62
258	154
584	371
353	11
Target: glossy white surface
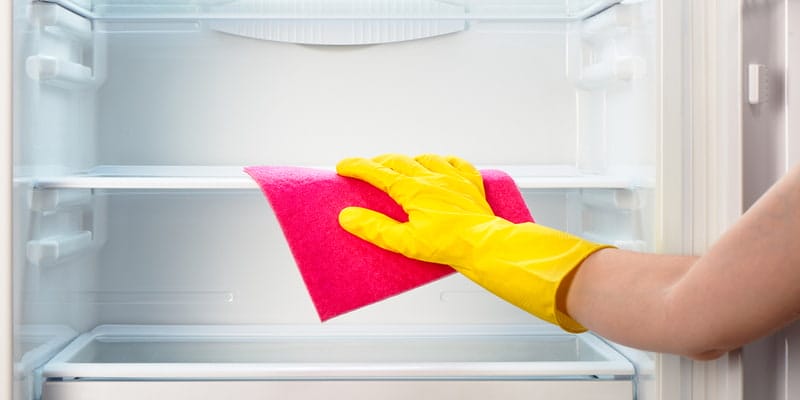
353	352
341	390
204	177
461	9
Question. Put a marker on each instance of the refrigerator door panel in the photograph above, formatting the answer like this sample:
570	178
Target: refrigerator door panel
766	121
792	334
792	357
772	147
792	84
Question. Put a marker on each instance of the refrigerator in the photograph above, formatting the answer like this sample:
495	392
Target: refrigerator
139	261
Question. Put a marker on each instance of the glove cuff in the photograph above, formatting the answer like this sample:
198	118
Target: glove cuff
531	266
560	316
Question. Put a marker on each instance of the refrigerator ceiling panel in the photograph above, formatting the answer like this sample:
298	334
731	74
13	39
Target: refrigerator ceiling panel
337	9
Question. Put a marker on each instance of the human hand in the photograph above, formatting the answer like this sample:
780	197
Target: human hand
450	222
443	196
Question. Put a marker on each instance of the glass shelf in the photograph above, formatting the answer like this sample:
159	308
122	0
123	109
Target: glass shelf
233	177
561	10
313	352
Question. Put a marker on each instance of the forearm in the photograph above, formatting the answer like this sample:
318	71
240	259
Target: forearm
746	286
623	295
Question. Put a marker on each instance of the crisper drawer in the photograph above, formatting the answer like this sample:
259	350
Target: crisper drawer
337	362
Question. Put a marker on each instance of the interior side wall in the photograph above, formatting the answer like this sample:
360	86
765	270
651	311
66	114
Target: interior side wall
53	135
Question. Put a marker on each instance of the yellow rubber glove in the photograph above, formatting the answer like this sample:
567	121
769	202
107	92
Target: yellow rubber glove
450	222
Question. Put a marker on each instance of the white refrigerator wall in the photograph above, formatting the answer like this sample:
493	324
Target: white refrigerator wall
504	86
54	129
196	96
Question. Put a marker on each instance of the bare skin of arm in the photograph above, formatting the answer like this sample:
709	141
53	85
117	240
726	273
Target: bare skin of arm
745	287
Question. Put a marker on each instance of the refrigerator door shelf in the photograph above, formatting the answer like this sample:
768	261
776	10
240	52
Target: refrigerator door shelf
232	177
556	10
331	352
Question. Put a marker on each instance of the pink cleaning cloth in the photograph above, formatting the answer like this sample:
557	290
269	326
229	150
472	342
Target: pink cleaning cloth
341	271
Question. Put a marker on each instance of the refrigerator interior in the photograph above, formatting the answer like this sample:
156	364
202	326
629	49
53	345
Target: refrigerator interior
144	256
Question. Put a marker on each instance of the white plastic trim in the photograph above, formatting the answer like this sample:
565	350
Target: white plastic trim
50	338
611	22
54	16
6	146
341	390
792	86
172	177
757	83
53	249
50	200
347	31
359	9
604	74
339	33
715	147
56	71
612	363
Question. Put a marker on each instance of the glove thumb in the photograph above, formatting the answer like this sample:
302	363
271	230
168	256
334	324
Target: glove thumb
373	227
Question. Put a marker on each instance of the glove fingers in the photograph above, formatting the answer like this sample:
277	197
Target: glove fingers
403	164
375	227
463	166
368	171
437	163
468	171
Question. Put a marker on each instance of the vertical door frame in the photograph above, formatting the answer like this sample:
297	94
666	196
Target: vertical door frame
716	109
792	82
716	158
700	166
700	90
6	293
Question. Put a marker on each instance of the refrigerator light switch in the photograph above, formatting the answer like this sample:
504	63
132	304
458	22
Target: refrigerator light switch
756	83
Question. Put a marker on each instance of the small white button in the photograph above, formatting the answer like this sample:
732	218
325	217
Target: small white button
757	83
